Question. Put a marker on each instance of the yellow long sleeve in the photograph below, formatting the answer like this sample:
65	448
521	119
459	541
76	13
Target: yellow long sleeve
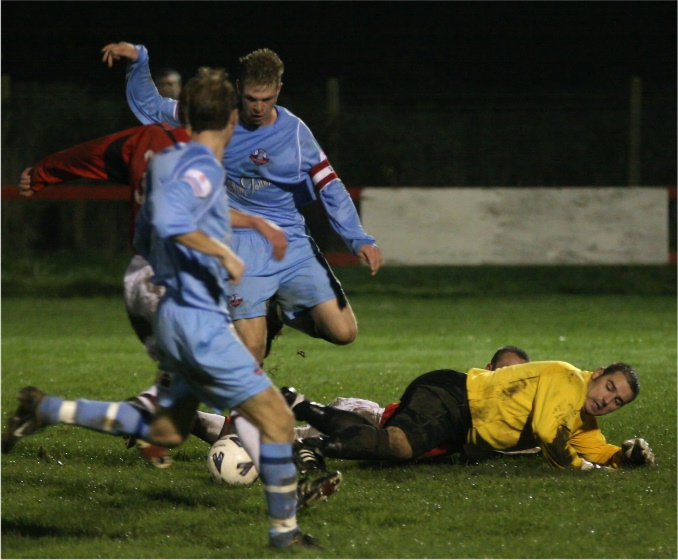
537	403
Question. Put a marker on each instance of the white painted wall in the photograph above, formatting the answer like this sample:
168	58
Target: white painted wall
515	226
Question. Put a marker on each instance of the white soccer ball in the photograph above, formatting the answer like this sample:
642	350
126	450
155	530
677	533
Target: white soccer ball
229	463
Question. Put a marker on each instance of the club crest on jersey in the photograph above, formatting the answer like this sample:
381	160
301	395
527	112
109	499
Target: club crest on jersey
259	156
235	300
199	182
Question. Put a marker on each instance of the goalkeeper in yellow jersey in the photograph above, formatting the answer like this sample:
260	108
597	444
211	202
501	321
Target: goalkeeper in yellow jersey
552	405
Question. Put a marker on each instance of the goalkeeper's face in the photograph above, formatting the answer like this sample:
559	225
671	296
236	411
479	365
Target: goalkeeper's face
607	393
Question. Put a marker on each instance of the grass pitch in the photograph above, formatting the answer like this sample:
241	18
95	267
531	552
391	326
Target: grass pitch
73	493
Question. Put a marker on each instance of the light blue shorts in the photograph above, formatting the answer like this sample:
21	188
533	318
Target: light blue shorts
205	358
302	280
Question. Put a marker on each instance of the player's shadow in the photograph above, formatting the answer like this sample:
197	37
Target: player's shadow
453	460
38	530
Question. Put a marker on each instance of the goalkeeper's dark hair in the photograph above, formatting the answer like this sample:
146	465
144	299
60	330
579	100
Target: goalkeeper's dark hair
506	350
207	100
629	373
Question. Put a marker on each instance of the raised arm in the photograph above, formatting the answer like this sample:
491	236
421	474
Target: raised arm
116	51
142	95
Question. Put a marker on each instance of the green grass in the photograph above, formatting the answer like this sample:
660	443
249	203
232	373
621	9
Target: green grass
66	273
92	498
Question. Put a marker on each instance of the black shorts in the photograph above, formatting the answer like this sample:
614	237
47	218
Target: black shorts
434	411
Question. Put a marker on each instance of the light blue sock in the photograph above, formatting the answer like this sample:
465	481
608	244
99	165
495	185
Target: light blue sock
117	418
279	477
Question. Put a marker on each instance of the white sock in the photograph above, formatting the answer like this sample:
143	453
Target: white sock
211	424
249	437
301	432
148	397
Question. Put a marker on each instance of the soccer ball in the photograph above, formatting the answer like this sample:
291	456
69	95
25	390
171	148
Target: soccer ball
229	463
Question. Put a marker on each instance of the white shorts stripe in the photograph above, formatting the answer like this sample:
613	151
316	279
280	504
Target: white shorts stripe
67	412
111	414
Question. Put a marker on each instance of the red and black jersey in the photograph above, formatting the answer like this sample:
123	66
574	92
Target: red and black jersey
121	157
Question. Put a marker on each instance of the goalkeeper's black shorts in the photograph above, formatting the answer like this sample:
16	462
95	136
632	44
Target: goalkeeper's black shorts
434	412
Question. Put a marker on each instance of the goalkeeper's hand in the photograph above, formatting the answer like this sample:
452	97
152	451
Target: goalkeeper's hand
588	466
636	452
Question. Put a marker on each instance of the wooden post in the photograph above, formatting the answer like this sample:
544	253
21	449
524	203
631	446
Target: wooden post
635	117
333	126
332	98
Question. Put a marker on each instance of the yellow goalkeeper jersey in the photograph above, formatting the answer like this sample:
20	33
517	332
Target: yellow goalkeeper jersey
537	403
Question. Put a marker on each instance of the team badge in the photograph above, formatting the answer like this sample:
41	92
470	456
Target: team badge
199	182
259	156
235	300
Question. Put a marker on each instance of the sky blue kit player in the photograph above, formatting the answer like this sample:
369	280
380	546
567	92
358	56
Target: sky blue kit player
182	229
273	171
193	280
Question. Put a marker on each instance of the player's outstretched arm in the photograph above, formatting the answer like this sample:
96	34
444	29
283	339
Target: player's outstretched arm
116	51
142	94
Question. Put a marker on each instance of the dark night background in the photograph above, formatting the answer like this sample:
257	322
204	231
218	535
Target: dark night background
429	47
432	94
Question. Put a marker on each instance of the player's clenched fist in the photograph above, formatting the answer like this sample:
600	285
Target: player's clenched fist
637	452
25	183
116	51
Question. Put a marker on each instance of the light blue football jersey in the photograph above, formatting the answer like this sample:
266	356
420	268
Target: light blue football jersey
184	193
271	171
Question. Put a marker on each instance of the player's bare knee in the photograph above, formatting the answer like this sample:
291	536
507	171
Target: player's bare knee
344	334
349	335
399	446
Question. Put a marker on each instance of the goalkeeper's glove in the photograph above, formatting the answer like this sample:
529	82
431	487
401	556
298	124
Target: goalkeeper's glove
636	452
588	466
